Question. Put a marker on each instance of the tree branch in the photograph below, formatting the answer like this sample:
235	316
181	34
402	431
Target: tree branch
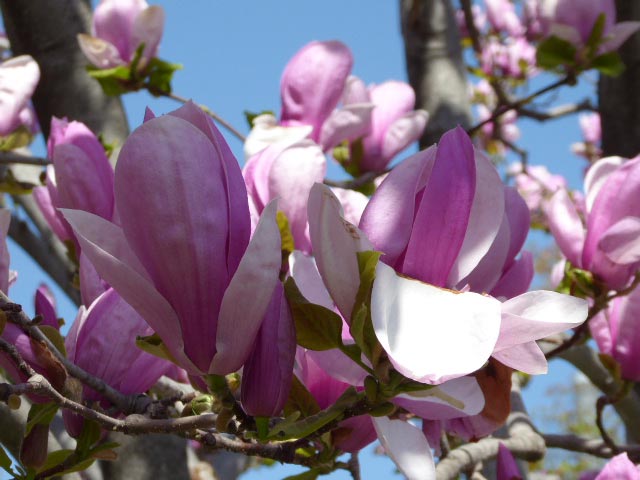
524	442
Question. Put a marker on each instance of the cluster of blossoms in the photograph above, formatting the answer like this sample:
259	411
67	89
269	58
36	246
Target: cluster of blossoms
183	250
413	302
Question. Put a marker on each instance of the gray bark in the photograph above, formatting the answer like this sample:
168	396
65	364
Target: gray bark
47	31
434	64
619	102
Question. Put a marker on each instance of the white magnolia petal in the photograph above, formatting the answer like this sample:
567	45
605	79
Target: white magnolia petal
538	314
408	448
266	131
597	175
432	334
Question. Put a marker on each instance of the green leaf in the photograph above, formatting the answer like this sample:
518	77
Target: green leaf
305	427
595	38
262	426
308	475
56	458
300	400
153	344
53	334
609	64
317	327
361	326
40	414
114	81
251	116
20	137
554	52
88	437
160	73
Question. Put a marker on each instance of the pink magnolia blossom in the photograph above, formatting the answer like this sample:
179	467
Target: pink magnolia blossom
182	256
19	77
605	241
81	177
394	122
469	246
479	19
503	17
119	28
574	22
513	57
619	468
592	136
616	330
536	185
102	341
312	85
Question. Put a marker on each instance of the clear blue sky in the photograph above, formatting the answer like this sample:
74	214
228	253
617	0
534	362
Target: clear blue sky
233	55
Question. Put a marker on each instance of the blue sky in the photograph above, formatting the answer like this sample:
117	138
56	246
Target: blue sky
233	55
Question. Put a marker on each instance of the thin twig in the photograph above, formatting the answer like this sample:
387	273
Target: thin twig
354	466
602	402
356	183
17	316
503	108
592	446
13	157
558	112
211	113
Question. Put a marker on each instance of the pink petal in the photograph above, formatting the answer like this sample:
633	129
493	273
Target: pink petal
408	448
597	175
442	215
388	219
99	52
292	175
105	245
566	226
335	244
312	83
516	280
403	132
113	22
484	220
239	319
619	34
525	357
176	221
455	398
347	123
18	79
147	28
621	242
538	314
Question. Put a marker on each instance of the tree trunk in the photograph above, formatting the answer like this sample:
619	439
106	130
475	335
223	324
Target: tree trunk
434	64
619	102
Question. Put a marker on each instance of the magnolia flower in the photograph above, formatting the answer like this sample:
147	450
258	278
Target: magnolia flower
536	184
80	178
610	246
616	330
19	77
102	341
120	27
287	172
592	135
312	85
513	57
394	122
443	224
503	17
182	256
574	22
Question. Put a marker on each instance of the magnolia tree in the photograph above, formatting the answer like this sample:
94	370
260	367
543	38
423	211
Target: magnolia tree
268	311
